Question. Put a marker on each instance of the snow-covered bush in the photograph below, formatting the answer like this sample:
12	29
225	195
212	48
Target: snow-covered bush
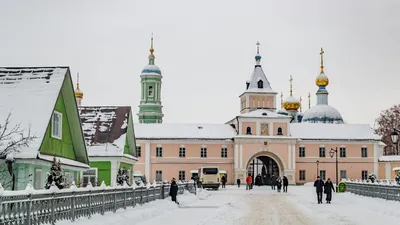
55	175
398	178
122	177
372	177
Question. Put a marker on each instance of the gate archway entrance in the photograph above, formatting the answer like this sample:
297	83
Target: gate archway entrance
263	167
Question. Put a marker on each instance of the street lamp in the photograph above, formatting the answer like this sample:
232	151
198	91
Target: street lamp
395	138
317	168
332	153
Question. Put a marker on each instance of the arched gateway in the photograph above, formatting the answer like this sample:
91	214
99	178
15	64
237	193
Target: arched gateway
266	164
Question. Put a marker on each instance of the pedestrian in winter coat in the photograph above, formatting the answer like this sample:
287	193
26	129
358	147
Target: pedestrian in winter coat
279	183
173	190
328	190
249	180
238	182
223	181
273	181
319	186
285	183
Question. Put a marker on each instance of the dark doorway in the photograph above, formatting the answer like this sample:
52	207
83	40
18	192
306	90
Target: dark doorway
265	167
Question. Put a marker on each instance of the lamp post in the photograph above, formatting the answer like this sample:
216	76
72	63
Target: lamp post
317	168
395	138
331	153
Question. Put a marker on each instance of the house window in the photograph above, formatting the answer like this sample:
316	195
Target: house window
280	131
224	153
68	178
89	175
364	175
302	152
364	152
182	175
342	152
248	130
302	175
38	179
159	152
322	152
56	128
182	152
322	174
158	175
151	93
260	84
139	151
343	174
203	153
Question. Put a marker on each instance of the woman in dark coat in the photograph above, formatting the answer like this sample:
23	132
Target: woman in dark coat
328	190
285	183
173	190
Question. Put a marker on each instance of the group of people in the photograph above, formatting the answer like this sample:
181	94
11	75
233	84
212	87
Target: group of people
275	181
326	187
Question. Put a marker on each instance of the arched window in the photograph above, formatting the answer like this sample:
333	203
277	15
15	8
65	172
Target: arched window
260	84
151	91
280	131
248	130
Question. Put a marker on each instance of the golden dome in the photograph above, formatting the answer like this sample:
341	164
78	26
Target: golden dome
322	80
291	104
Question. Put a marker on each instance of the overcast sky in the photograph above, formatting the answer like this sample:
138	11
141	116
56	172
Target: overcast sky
206	50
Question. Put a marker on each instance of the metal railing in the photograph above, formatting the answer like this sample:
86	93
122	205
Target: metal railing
38	207
375	190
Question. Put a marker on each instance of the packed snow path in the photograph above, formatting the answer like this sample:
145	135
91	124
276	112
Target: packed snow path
236	206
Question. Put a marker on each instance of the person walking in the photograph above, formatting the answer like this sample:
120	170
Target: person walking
328	190
279	183
238	182
173	190
273	181
223	181
319	186
249	180
285	183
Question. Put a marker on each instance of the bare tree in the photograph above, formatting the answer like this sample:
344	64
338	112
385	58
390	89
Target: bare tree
12	139
388	119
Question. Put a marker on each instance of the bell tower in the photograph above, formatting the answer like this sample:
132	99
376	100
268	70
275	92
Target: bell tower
150	108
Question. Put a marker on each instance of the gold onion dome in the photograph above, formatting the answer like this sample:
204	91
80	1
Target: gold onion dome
291	103
78	92
322	79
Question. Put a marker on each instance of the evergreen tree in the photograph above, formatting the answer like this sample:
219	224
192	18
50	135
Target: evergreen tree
55	175
122	176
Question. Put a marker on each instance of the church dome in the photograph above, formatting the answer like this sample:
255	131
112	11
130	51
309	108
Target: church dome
322	114
322	80
151	70
291	103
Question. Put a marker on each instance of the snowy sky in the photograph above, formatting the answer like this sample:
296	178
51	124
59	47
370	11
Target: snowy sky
206	50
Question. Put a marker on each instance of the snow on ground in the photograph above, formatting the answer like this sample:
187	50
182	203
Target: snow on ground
259	206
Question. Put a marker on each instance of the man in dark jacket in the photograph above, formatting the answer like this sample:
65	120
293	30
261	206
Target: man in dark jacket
319	186
285	183
328	190
273	181
223	181
173	190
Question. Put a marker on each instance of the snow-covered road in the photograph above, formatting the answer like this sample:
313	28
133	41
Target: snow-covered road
234	206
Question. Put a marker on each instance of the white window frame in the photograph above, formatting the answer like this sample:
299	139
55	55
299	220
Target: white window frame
59	136
181	174
96	176
203	152
38	186
182	152
224	152
159	152
138	150
341	174
302	172
160	174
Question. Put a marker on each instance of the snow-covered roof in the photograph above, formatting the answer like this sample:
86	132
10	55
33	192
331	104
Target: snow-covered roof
326	131
184	131
257	75
104	129
151	70
30	95
322	114
262	113
389	158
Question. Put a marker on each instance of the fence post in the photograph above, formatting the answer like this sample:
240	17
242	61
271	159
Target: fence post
115	200
73	207
52	215
154	193
162	191
103	202
28	210
134	197
124	198
90	204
